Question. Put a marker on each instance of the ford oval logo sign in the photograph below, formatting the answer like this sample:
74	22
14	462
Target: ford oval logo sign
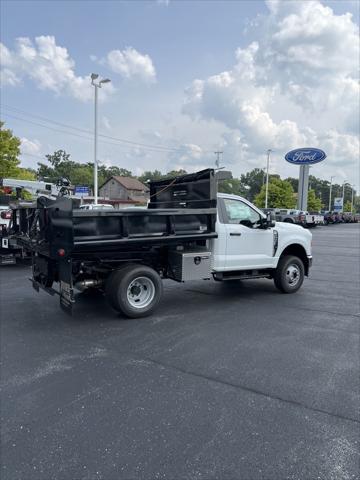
305	156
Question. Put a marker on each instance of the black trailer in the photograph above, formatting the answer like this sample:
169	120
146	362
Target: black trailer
125	253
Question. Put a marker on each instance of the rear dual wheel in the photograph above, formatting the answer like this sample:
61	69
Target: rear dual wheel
134	290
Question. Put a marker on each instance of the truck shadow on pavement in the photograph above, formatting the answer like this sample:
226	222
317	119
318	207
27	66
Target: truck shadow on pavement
185	298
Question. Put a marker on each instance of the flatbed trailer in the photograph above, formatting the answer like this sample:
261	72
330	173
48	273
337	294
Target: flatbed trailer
98	249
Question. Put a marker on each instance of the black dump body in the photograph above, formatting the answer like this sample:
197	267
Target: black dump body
181	209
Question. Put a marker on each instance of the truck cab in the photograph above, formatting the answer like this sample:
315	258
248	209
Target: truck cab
247	242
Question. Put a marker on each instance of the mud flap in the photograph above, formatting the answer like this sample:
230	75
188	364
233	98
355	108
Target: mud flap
66	286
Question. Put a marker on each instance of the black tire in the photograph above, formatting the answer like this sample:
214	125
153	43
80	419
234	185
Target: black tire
134	290
288	220
289	274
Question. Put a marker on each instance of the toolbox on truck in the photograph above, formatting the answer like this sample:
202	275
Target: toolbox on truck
190	265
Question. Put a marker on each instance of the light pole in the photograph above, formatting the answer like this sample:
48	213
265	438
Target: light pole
97	85
331	179
267	177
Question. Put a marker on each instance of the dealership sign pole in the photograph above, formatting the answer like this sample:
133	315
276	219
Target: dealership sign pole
304	157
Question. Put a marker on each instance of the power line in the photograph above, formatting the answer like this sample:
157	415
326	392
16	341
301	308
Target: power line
45	126
88	132
73	127
76	134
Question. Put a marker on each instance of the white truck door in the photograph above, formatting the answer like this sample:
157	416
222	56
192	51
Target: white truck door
247	245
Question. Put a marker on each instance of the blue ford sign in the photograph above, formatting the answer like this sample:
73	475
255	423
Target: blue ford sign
305	156
82	190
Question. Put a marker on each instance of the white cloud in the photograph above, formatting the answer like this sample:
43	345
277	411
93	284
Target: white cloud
31	147
189	155
164	3
106	122
312	53
131	64
297	85
8	75
48	65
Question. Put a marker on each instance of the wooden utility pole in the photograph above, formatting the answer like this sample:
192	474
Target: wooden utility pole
217	161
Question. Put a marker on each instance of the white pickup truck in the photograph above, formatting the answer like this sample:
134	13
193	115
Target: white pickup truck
188	232
297	217
244	245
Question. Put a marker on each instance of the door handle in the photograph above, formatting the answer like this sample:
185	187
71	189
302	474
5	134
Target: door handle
235	234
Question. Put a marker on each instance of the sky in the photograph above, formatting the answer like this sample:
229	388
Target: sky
187	78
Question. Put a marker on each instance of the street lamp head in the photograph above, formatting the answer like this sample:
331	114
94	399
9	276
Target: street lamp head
94	76
106	80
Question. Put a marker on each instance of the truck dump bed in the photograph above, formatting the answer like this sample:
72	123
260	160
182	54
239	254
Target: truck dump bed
181	209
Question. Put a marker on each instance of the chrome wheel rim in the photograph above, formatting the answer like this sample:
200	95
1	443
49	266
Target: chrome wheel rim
140	292
293	275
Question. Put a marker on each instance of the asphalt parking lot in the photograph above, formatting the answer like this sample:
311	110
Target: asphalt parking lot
226	381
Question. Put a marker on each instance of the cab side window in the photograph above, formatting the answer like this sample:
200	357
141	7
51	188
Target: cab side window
238	212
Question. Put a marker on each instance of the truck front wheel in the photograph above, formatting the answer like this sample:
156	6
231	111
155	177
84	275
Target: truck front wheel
134	290
289	274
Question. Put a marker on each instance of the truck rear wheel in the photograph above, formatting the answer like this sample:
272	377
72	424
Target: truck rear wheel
134	290
289	274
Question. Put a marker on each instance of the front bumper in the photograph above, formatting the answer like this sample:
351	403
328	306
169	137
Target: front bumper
310	260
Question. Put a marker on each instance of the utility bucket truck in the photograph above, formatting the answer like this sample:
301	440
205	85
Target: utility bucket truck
188	232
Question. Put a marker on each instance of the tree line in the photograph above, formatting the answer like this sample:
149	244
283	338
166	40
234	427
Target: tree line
251	185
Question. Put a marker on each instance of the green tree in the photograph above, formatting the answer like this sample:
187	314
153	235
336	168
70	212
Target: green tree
280	195
233	186
82	175
176	173
294	183
254	180
347	206
314	204
57	158
149	175
24	174
356	208
61	166
118	172
9	152
44	172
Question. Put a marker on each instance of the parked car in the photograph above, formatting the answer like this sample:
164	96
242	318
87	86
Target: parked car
297	217
329	218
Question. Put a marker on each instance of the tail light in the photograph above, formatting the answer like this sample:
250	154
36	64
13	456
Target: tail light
6	214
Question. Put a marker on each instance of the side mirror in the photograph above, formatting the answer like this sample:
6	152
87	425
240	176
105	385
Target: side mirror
246	223
270	220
